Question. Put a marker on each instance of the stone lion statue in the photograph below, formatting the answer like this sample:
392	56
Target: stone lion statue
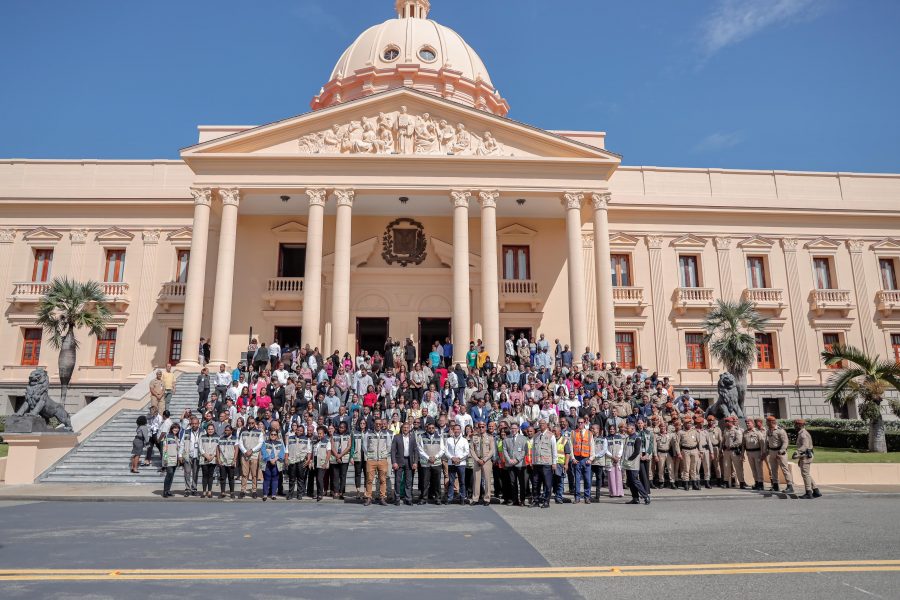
726	404
39	403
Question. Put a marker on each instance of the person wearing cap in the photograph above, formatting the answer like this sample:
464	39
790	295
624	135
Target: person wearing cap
804	456
705	451
714	433
733	453
776	455
664	459
687	448
753	441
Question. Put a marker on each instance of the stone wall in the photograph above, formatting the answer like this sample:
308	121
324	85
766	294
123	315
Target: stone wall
77	398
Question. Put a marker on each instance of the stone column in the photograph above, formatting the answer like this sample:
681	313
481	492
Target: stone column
141	361
490	280
723	256
577	309
312	280
657	291
863	300
462	324
798	310
340	301
606	310
221	316
193	296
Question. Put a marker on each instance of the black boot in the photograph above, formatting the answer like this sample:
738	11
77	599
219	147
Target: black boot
816	493
806	496
743	486
706	485
696	485
774	486
789	489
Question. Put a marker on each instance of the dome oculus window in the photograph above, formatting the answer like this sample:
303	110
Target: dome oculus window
428	54
391	54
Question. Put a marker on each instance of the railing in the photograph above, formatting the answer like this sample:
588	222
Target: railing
285	284
887	301
764	295
173	289
115	289
29	289
518	287
687	295
628	295
831	296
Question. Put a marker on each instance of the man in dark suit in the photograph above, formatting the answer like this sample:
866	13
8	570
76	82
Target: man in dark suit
404	460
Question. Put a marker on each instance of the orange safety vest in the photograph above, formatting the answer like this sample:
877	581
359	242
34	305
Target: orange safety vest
581	446
528	454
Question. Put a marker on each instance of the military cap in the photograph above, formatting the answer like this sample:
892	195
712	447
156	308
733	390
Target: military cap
799	422
698	420
712	418
771	419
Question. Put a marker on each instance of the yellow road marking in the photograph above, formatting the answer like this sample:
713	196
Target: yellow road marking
677	570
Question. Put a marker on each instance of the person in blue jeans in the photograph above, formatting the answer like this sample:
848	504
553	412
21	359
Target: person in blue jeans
272	454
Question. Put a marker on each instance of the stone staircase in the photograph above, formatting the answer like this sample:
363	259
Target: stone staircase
104	456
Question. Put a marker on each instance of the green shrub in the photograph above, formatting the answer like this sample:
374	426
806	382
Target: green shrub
829	437
2	424
841	424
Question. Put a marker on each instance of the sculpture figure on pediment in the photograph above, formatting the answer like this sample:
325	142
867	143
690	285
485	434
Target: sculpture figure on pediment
405	132
489	146
353	135
426	135
463	142
331	139
367	143
310	143
447	135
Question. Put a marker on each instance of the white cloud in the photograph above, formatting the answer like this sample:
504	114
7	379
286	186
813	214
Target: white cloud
733	21
718	140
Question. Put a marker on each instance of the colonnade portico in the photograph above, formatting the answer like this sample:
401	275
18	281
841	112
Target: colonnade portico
461	318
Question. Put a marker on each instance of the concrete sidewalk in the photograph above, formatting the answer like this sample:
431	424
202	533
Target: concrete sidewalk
80	492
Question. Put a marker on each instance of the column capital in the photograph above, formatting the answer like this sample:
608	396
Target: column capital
345	197
230	196
587	240
78	236
790	244
8	236
572	200
460	198
856	246
601	200
202	195
488	198
654	242
150	237
316	196
723	243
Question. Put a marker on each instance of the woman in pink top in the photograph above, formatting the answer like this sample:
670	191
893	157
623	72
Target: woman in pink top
264	402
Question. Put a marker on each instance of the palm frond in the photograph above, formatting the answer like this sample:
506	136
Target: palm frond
841	384
731	329
69	305
839	353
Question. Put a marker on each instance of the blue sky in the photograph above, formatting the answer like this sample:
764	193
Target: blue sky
756	84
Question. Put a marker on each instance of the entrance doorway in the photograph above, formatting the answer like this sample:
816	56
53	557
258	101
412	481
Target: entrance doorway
515	331
287	337
371	334
430	331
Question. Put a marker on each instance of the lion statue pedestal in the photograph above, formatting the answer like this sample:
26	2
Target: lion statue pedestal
35	413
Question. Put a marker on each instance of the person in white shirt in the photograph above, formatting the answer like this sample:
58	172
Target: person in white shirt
234	392
281	374
457	451
274	354
222	381
463	419
362	383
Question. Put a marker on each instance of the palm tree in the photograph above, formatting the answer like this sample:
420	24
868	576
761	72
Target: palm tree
731	334
67	306
863	378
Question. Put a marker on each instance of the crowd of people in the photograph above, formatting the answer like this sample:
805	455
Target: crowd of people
535	426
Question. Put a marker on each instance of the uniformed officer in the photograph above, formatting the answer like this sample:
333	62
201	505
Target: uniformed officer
226	458
249	444
715	449
753	446
431	451
776	454
688	450
665	474
705	451
298	458
733	453
482	448
804	456
340	460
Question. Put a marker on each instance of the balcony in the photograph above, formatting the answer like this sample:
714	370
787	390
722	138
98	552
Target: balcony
116	294
765	298
30	292
887	301
687	297
823	300
283	289
629	297
525	291
172	293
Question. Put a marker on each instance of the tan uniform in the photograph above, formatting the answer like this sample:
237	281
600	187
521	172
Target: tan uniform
776	453
688	445
157	395
733	454
804	458
663	459
715	451
482	447
753	445
705	453
621	409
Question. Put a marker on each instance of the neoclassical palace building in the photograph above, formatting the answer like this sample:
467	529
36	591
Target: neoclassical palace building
407	204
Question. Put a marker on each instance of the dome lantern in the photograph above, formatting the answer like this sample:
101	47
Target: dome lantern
413	9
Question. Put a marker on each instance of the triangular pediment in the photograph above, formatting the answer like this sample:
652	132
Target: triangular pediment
887	244
757	242
290	227
822	243
516	230
181	235
689	241
444	252
399	123
114	234
360	253
42	234
623	240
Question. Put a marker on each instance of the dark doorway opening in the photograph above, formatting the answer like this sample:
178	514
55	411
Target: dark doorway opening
515	331
291	260
371	334
431	331
287	337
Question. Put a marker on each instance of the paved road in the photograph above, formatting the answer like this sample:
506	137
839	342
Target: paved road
671	541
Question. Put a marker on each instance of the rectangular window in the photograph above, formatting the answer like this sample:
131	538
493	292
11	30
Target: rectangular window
756	272
43	259
625	349
765	355
688	271
291	260
182	258
822	272
772	406
895	346
888	274
31	346
516	262
174	346
106	349
620	265
829	340
696	350
115	266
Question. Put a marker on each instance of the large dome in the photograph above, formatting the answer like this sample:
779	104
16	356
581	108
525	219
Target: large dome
416	52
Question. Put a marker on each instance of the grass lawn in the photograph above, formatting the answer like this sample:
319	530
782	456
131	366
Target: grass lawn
849	455
3	450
